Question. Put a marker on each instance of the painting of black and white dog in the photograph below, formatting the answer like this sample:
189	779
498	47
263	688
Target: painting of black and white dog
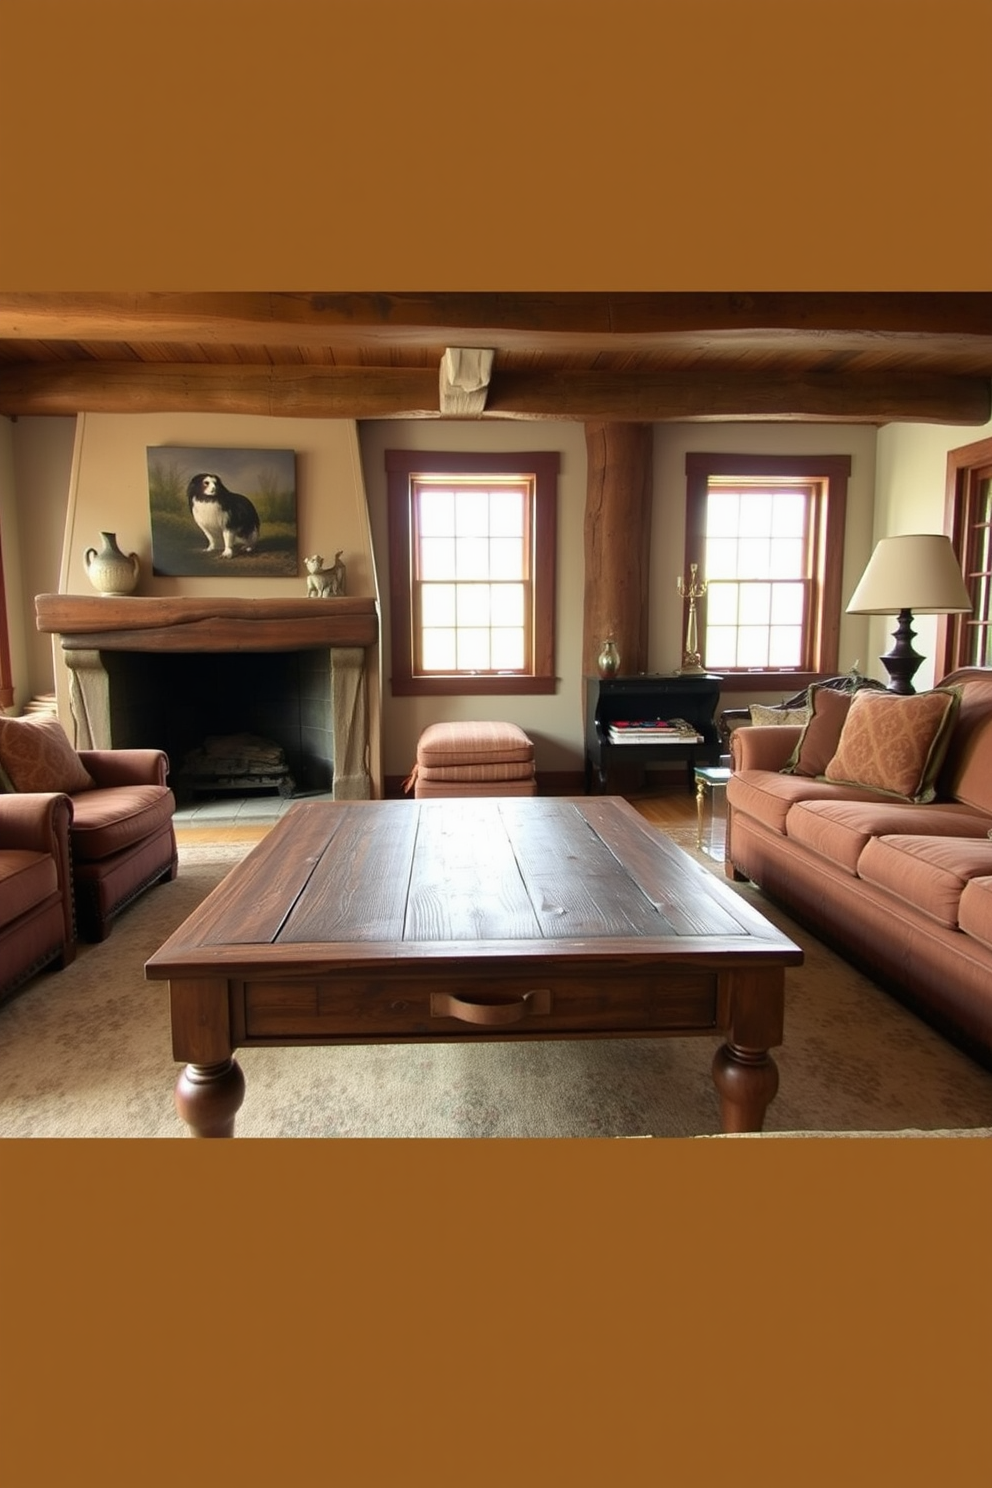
228	520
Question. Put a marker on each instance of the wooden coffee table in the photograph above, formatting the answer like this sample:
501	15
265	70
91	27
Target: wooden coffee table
374	922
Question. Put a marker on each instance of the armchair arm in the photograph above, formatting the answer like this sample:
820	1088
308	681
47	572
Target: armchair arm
35	821
39	821
764	748
126	766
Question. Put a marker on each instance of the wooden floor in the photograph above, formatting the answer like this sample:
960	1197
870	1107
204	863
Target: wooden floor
671	807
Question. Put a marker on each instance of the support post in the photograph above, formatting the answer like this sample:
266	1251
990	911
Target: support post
619	494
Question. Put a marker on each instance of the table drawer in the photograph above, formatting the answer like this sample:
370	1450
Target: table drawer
513	1006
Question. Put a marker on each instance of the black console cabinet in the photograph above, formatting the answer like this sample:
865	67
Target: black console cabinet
650	695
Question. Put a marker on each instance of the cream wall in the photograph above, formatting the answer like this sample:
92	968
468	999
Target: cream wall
43	450
910	488
672	443
554	722
10	528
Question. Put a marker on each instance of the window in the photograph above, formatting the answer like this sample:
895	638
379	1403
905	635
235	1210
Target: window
966	640
767	533
472	572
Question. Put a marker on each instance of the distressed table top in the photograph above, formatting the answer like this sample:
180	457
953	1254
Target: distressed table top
500	880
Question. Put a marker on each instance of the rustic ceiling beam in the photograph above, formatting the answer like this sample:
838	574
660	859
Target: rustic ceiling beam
659	397
290	319
298	392
397	392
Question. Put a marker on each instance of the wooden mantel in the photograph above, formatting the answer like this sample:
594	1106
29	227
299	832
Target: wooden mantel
106	623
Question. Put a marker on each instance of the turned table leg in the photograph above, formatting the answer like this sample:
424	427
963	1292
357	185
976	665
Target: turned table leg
209	1096
744	1073
211	1088
747	1081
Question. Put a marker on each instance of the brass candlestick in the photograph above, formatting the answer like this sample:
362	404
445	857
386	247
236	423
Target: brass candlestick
692	661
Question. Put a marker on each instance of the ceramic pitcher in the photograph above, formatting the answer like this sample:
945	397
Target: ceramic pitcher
111	571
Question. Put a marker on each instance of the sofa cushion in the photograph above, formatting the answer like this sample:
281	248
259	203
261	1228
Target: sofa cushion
895	742
26	880
37	755
769	796
108	820
473	743
841	830
966	774
819	739
975	910
763	716
928	873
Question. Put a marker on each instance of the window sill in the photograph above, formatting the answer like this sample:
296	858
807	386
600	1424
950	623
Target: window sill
472	686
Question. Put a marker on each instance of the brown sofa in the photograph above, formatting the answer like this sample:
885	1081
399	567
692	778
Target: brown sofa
121	834
36	908
902	888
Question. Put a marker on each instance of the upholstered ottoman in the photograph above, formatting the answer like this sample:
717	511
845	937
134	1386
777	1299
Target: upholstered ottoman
473	759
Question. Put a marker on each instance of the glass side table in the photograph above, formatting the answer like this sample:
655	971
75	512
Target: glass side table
707	777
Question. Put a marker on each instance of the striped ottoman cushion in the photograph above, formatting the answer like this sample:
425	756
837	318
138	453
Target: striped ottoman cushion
476	743
505	771
425	789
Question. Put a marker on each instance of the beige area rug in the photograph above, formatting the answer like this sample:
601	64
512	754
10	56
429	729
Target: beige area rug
86	1052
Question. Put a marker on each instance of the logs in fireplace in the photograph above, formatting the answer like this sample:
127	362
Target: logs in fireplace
236	762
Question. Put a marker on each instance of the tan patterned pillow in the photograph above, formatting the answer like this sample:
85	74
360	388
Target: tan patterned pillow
37	755
817	744
761	716
895	743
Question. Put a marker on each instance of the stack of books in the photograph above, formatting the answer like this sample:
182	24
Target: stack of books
653	731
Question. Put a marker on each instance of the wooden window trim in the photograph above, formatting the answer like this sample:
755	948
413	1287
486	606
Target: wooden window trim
952	649
400	466
828	550
6	668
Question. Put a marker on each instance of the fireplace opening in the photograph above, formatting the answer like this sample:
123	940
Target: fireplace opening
177	700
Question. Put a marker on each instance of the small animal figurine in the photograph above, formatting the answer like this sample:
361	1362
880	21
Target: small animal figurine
338	574
228	520
318	580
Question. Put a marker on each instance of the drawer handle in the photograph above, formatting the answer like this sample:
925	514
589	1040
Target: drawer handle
468	1010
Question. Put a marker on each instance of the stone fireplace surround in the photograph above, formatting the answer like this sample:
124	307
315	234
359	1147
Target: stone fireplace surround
90	625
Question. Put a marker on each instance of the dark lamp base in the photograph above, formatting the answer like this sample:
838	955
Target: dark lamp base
902	661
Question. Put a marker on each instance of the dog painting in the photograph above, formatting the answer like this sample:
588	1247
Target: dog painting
223	512
228	520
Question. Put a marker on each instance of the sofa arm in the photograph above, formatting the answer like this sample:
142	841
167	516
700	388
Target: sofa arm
35	821
764	748
111	767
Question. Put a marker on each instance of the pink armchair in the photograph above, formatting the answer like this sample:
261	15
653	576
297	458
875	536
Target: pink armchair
121	835
36	907
122	838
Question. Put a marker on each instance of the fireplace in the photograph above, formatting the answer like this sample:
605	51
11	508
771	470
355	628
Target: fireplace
165	673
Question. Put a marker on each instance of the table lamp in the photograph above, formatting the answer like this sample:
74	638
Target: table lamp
916	572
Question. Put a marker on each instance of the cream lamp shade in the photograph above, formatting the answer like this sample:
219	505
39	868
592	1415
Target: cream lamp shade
919	571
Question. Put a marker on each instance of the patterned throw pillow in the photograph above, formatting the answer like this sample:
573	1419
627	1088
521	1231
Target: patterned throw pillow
762	717
895	743
37	755
817	744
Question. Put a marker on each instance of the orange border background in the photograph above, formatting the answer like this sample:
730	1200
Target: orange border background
527	1313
